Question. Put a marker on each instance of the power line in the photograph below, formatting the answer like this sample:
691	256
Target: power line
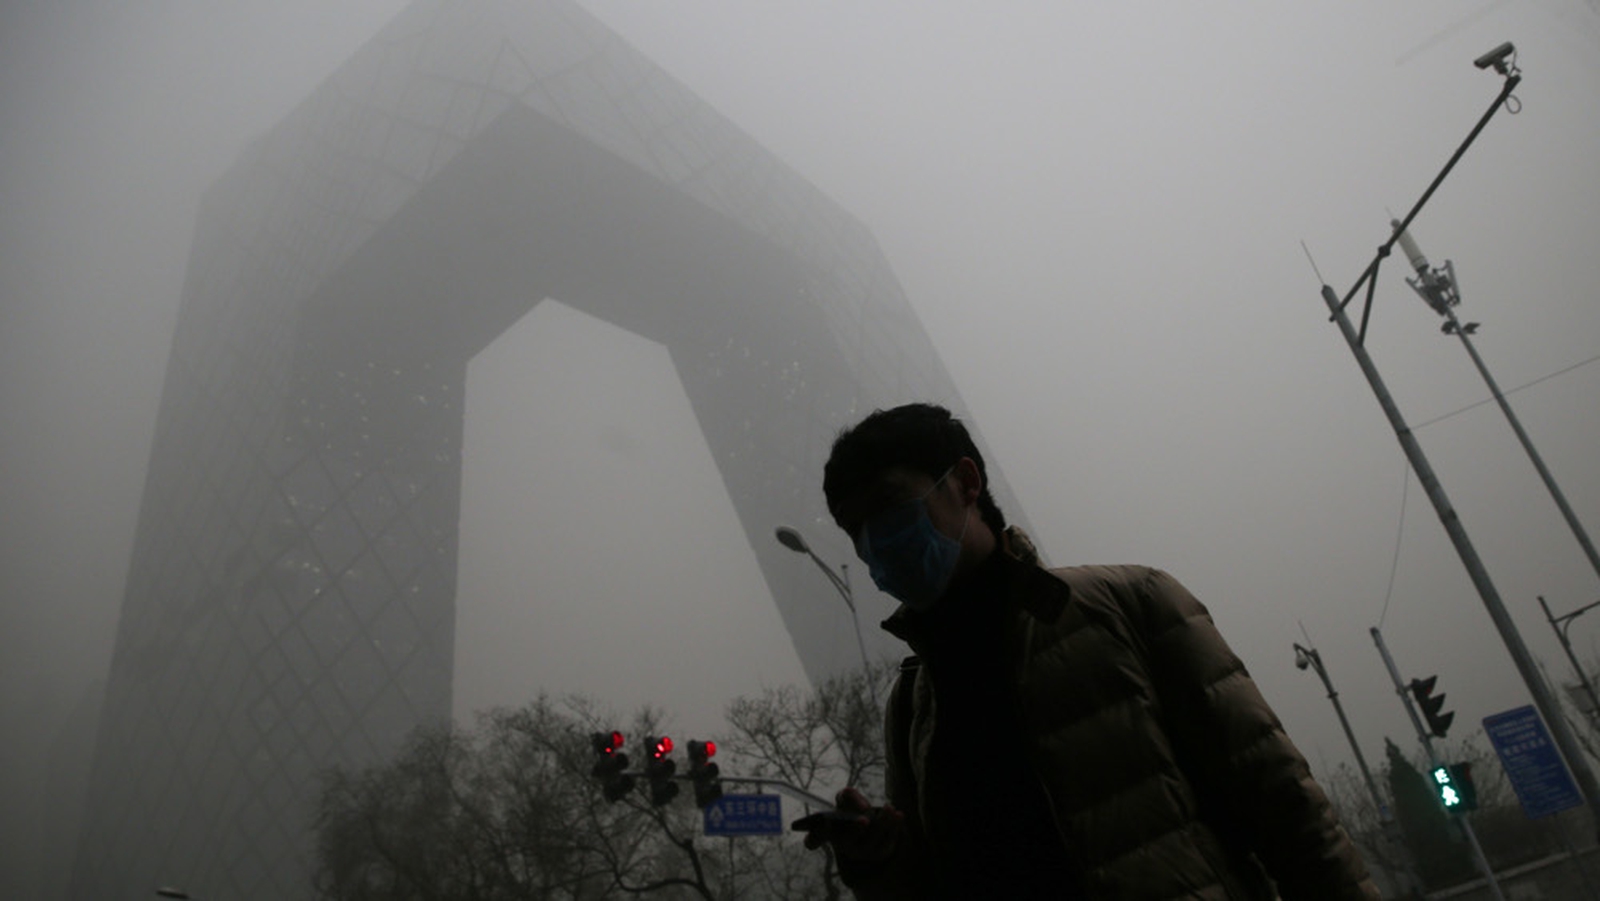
1394	564
1486	400
1399	533
1450	30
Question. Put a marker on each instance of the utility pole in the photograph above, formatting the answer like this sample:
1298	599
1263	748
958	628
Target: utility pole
1434	763
1438	287
1503	60
1308	656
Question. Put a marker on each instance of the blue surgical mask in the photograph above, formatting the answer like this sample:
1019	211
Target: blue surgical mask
908	557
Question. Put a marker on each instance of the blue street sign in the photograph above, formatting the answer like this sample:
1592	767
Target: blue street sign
744	815
1540	779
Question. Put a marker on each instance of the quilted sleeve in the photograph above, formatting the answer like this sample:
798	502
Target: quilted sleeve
1244	767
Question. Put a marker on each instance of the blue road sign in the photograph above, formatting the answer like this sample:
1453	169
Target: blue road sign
1532	763
744	815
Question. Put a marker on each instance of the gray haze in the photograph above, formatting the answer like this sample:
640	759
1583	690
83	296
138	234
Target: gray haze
1097	212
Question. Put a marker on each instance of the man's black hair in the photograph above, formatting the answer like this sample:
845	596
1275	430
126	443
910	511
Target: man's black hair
923	438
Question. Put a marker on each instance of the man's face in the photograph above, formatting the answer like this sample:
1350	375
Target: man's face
895	494
911	528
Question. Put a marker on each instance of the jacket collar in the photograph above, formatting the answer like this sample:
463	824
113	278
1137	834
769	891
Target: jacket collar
1024	582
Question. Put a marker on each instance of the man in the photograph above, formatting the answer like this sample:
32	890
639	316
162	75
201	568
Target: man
1071	733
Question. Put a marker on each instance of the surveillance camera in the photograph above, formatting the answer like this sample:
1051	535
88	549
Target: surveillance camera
1300	661
1496	58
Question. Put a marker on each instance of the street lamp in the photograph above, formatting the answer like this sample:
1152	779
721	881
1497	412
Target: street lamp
1308	657
1305	658
794	541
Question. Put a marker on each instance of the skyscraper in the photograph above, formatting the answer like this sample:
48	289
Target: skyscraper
290	602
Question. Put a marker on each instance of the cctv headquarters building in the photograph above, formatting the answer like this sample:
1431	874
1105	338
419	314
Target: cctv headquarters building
290	602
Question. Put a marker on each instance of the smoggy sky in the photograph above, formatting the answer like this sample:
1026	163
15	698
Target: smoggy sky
1098	211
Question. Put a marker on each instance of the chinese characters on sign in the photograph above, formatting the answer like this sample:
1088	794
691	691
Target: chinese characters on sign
1532	763
744	815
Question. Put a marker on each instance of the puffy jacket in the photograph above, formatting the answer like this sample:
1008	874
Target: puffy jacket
1166	773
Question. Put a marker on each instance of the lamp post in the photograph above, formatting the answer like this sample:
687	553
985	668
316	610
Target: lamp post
1308	657
1560	624
794	541
1304	658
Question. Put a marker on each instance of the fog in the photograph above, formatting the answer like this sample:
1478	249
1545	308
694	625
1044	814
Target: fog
1098	212
613	547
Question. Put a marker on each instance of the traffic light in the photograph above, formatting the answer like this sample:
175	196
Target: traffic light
1422	690
659	769
1444	784
705	775
610	765
1461	778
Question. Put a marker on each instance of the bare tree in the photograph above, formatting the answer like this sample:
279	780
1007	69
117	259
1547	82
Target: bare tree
821	741
832	736
509	808
504	811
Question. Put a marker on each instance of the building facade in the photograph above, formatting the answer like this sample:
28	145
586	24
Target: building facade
290	602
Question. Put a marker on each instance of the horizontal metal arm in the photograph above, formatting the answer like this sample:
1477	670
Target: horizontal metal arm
793	791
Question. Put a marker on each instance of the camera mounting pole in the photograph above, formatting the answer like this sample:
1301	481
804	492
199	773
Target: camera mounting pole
1370	276
1502	60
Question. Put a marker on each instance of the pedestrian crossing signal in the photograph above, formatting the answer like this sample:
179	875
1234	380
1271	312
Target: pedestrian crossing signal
1455	787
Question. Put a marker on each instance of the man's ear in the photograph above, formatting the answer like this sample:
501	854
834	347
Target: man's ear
971	481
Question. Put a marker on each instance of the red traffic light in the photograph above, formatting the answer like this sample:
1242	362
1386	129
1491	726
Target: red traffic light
606	745
662	747
707	785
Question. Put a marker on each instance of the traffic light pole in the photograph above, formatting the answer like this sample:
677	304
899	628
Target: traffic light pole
1434	763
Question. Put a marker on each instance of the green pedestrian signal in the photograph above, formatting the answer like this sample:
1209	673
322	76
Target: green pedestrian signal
1445	784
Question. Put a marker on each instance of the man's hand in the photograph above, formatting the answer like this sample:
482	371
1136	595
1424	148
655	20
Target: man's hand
857	830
